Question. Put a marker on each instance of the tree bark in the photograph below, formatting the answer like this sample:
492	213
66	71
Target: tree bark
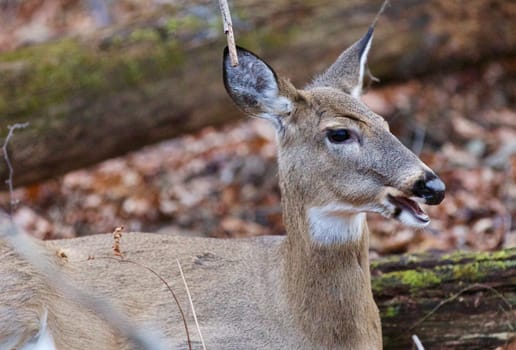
455	301
88	99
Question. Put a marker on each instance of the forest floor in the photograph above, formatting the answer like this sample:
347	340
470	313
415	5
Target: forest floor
223	182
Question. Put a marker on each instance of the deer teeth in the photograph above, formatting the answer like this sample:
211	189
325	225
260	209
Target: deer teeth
408	211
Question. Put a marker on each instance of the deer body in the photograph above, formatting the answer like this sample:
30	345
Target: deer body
238	300
309	290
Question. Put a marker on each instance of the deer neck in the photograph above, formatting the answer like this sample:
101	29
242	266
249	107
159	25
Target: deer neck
327	278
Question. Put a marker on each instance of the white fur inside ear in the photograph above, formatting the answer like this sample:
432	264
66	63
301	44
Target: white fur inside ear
357	89
276	107
330	226
254	87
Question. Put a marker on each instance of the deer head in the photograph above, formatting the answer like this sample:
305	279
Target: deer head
336	156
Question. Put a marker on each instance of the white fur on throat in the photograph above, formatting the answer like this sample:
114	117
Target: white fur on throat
357	90
335	224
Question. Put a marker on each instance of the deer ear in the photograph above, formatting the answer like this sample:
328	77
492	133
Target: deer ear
347	73
255	88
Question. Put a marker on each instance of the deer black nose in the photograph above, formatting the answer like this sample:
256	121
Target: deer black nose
431	189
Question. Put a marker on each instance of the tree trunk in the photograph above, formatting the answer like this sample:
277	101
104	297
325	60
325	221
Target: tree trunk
88	99
455	301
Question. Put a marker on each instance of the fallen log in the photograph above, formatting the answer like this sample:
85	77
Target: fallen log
88	99
453	301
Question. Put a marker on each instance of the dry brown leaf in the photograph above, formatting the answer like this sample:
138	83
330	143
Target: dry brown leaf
117	238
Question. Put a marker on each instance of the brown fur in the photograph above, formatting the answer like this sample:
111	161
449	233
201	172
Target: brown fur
261	293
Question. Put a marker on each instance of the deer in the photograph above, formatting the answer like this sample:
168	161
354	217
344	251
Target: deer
309	289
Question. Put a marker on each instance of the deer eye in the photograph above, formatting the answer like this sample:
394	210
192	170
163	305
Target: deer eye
338	135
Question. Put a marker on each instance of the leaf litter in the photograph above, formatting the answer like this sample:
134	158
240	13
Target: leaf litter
223	182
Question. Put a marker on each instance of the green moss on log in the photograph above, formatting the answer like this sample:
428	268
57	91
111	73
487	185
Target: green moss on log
479	256
400	260
476	270
54	73
412	279
462	266
390	311
36	80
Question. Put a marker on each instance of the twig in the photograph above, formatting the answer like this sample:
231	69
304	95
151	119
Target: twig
117	251
458	294
191	304
9	180
504	189
510	324
163	281
228	31
384	5
417	342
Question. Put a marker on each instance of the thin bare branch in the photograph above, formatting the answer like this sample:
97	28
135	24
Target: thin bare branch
458	294
183	317
9	180
228	31
382	9
191	304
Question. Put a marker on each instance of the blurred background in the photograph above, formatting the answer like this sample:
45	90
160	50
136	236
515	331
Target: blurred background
130	124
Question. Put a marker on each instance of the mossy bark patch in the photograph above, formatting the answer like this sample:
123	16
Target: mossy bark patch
461	300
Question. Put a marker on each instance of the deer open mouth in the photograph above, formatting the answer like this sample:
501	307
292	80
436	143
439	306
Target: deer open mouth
408	211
